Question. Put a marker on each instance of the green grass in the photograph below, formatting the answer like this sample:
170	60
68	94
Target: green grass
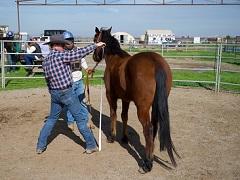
194	75
229	57
177	75
230	88
229	77
13	84
23	83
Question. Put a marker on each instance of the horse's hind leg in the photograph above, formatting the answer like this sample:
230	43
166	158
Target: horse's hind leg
143	115
155	124
124	115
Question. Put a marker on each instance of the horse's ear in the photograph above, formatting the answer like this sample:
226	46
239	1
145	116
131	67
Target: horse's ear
97	30
109	30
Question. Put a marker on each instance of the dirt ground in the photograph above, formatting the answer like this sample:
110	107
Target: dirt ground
205	129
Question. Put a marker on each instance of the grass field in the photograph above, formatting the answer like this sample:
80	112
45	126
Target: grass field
228	57
208	53
228	77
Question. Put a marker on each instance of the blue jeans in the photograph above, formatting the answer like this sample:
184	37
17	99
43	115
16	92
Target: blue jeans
11	60
29	59
59	99
78	88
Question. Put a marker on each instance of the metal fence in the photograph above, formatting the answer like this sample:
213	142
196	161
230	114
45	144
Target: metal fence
216	57
167	51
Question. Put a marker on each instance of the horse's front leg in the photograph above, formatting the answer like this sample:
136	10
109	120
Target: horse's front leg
124	115
113	106
113	117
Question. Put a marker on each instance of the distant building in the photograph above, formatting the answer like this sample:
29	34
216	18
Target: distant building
124	37
142	39
3	31
159	36
238	39
185	39
196	40
52	32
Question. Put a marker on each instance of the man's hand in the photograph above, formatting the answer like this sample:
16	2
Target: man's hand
90	71
100	44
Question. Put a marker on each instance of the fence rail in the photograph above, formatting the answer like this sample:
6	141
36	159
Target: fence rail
216	51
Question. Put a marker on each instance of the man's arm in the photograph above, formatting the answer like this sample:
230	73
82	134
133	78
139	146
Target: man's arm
79	53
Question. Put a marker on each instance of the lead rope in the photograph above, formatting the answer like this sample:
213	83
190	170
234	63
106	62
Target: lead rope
99	143
87	79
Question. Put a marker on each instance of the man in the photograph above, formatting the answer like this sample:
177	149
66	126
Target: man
10	47
78	86
57	72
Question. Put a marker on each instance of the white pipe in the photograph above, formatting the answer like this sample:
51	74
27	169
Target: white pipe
100	121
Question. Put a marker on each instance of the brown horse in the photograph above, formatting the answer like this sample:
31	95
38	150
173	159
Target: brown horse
145	79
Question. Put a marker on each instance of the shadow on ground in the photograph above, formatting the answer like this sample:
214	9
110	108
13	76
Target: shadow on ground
134	147
62	128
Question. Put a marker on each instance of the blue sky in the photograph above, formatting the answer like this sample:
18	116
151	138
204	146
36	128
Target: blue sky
81	20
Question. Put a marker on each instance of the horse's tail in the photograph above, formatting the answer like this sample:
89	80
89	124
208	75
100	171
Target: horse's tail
160	111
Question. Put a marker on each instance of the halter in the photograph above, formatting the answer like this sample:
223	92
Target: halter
100	36
98	40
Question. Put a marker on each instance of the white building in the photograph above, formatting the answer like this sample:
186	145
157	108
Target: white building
196	40
124	37
159	36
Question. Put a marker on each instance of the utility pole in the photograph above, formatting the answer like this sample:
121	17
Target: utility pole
18	17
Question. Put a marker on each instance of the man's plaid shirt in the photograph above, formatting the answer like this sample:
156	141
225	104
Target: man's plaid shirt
57	68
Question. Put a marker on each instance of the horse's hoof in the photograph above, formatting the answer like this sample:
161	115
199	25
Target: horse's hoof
143	169
125	140
148	164
110	139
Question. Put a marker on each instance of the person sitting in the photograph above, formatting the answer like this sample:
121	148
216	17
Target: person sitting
44	48
30	57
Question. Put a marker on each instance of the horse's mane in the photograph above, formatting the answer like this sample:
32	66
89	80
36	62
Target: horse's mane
113	47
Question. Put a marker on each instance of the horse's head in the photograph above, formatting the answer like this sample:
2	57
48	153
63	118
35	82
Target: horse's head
101	35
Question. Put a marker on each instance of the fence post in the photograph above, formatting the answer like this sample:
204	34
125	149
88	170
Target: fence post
2	65
162	49
217	68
